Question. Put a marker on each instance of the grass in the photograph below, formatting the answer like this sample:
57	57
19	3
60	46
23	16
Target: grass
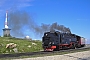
22	45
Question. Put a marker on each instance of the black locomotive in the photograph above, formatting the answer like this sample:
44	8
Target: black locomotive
57	41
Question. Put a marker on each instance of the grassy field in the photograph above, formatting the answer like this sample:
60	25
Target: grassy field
22	45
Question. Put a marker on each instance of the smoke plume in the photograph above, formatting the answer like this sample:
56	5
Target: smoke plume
20	21
53	27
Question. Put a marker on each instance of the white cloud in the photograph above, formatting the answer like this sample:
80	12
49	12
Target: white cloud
82	19
12	5
8	4
24	5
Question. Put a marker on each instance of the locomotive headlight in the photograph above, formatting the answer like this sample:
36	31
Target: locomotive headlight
49	42
52	42
46	34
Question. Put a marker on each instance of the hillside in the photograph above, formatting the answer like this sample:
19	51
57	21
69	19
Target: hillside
21	45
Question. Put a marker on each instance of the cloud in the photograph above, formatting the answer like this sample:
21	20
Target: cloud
24	5
14	4
82	19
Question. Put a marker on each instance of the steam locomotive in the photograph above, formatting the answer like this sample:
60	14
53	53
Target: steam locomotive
57	41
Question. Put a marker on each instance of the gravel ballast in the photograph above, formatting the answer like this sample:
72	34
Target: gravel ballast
85	55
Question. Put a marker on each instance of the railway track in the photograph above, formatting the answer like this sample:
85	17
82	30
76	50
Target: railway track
41	52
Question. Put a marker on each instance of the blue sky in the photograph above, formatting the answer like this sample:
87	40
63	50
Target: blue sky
74	14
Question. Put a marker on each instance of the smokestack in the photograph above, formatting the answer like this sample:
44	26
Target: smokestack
6	23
